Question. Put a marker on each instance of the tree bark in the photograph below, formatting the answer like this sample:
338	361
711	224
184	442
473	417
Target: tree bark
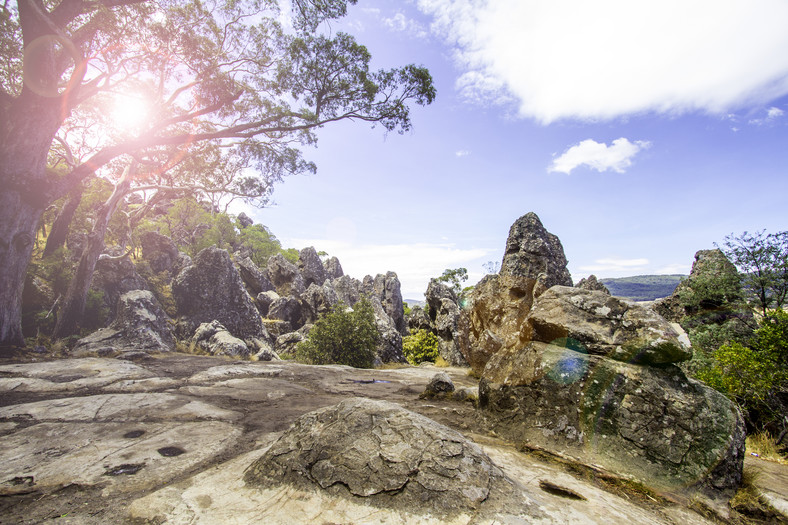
60	227
72	311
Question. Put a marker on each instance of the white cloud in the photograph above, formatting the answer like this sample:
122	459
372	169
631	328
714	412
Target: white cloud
462	153
614	265
561	59
400	22
415	264
773	113
675	268
599	156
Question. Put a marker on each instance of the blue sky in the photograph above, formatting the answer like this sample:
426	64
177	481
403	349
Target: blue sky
639	132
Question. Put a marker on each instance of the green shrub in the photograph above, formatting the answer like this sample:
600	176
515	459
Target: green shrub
342	336
420	346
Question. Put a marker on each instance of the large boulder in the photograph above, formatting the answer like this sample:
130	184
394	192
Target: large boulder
289	309
592	283
377	450
214	339
444	317
285	276
160	251
608	326
114	276
650	423
319	299
348	289
495	318
311	267
333	268
140	325
387	289
533	252
253	277
211	289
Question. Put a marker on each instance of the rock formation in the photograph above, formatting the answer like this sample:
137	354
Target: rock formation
140	325
653	424
591	283
211	289
285	276
253	277
379	451
311	267
114	277
533	252
161	252
333	268
214	339
444	316
607	326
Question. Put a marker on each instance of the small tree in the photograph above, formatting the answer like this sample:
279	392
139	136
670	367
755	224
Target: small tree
420	346
454	278
343	336
763	261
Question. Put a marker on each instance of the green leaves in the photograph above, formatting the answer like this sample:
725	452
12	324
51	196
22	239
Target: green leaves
420	346
343	336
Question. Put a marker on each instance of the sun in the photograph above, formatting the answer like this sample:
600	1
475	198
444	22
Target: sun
129	112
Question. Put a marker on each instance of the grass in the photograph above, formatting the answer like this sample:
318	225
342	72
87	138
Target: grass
749	503
765	447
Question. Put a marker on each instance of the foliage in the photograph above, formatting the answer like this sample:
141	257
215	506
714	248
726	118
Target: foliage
454	278
716	285
406	309
161	286
343	336
763	261
753	375
420	346
261	243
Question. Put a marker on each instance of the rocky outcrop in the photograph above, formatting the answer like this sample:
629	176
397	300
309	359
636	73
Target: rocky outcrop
418	319
114	277
444	316
535	253
348	289
244	220
140	325
285	276
211	289
607	326
495	318
361	448
214	339
333	268
653	424
264	300
592	284
160	252
387	289
289	309
319	300
253	277
311	267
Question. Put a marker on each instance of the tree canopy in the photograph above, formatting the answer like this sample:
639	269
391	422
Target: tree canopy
215	97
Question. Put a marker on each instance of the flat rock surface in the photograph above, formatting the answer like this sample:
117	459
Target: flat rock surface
168	439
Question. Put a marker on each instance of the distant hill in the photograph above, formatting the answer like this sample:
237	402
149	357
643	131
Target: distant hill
643	287
415	302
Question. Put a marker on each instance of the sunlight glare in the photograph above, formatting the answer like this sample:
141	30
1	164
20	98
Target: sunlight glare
129	112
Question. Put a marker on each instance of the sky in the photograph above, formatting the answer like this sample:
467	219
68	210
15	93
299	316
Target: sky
639	133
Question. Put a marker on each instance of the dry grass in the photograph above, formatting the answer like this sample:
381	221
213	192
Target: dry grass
765	447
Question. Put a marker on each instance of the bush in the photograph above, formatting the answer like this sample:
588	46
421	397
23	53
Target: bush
342	336
420	346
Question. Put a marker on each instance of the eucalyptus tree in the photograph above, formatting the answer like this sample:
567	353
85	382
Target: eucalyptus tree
77	76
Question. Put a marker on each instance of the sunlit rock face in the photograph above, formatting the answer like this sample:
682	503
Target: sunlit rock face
391	457
211	289
533	252
650	423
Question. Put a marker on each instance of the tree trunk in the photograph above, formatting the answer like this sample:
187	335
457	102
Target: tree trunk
72	310
18	225
60	227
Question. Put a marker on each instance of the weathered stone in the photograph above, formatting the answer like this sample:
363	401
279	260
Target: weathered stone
418	319
444	316
244	220
333	268
495	318
114	277
389	349
211	289
311	267
387	289
160	251
253	277
608	326
348	289
285	276
140	324
651	423
319	299
265	300
435	294
289	309
535	253
215	339
380	451
440	383
592	284
286	344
